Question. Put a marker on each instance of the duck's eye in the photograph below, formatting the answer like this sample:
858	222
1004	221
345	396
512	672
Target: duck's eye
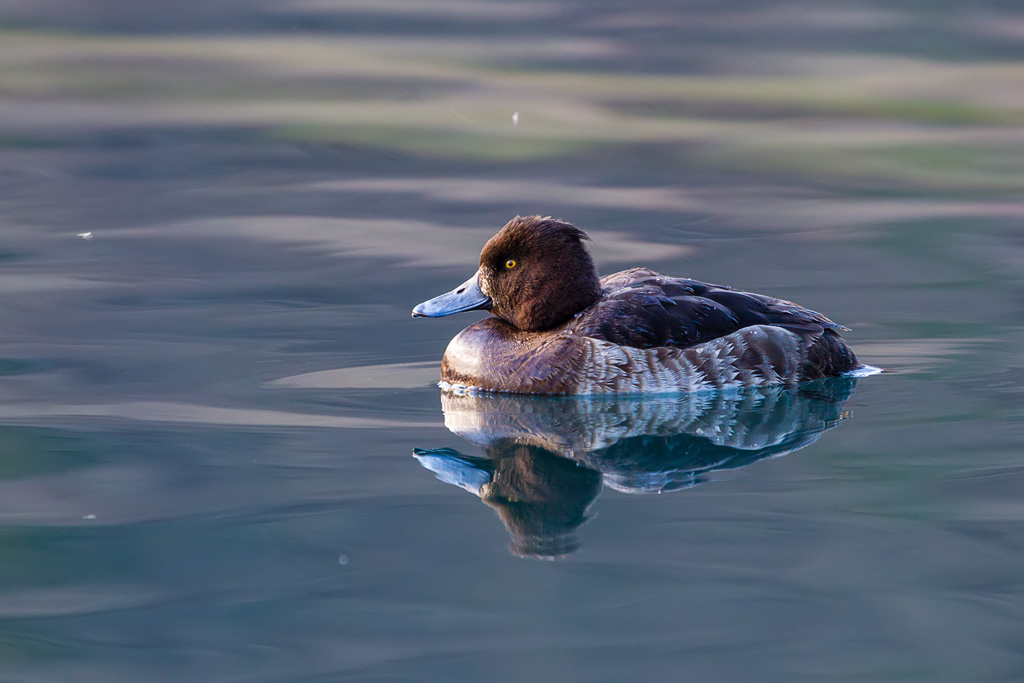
511	263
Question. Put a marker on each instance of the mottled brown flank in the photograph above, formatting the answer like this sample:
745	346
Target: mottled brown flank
753	356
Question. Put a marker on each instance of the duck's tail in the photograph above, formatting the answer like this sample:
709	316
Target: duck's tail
828	356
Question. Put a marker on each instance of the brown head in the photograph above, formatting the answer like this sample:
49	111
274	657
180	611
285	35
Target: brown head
535	273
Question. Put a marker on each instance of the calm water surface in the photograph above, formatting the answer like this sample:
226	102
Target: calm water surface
222	453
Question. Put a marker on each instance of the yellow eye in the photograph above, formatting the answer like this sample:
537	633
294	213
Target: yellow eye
511	263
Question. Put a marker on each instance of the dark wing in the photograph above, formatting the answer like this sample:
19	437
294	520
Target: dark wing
644	309
758	309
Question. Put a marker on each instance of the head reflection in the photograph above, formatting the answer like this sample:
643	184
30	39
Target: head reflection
545	459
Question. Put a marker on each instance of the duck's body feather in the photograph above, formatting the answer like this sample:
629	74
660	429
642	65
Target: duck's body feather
644	309
487	356
642	332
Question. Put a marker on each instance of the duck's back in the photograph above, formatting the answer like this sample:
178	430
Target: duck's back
644	309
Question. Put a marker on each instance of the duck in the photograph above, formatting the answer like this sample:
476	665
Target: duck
557	328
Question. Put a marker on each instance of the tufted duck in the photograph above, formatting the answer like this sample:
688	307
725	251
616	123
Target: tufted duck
558	329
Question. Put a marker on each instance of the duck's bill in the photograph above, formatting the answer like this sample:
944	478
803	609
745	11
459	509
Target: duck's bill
465	297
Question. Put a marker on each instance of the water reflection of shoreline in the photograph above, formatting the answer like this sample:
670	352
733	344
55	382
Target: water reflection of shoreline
546	459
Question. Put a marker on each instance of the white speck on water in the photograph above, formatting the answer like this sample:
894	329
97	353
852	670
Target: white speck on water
342	559
515	118
85	235
88	516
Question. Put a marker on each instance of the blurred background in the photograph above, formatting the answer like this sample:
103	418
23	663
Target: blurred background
215	217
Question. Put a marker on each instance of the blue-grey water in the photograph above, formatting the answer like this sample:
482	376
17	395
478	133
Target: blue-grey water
222	453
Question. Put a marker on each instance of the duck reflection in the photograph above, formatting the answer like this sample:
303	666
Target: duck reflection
547	458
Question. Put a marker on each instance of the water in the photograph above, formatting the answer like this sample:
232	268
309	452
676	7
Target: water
220	433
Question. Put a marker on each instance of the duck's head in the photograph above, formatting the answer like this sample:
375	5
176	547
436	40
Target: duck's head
535	274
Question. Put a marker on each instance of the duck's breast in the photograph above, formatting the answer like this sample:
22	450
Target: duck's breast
492	355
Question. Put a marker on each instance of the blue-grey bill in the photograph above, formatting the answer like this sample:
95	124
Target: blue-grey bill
465	297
